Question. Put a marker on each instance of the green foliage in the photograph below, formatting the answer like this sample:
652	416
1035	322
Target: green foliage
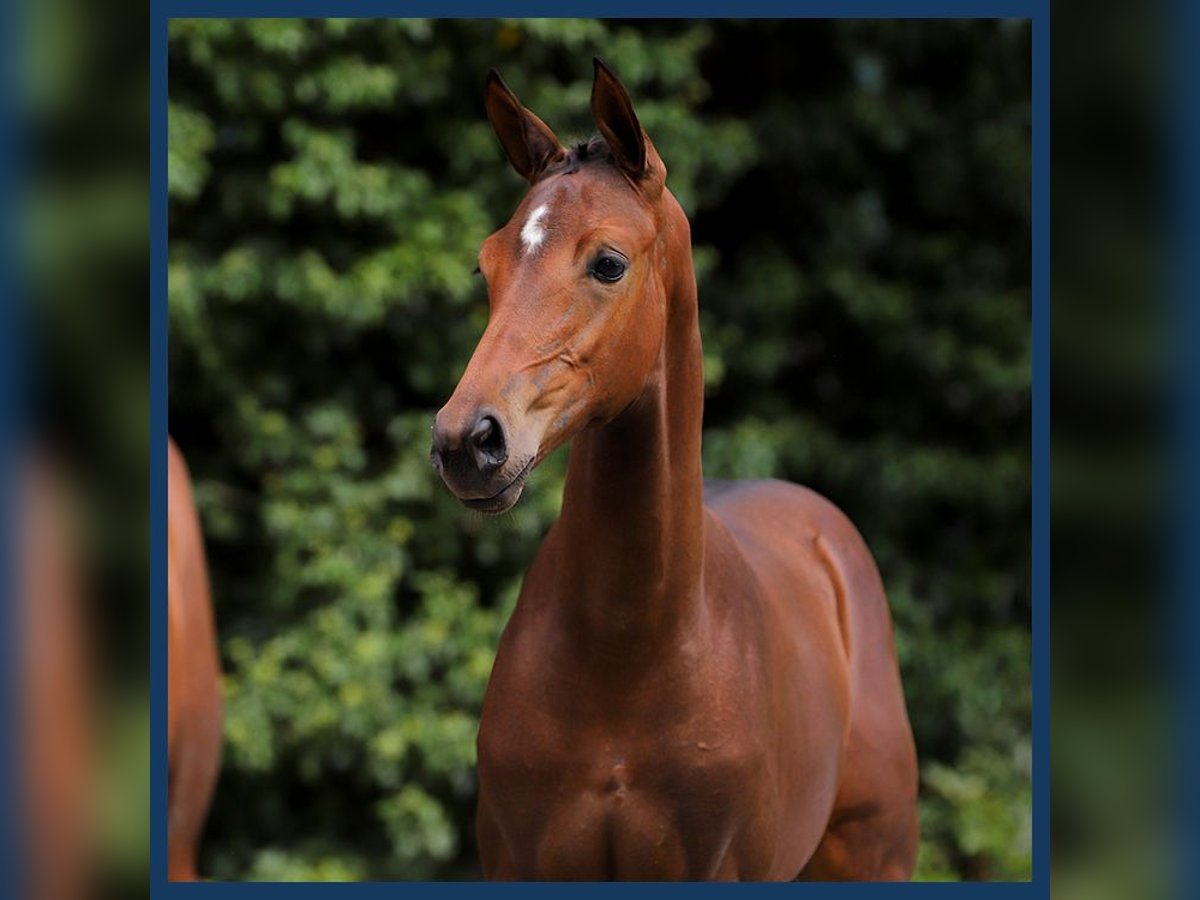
859	198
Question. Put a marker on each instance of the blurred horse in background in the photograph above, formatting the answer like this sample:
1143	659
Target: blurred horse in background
193	677
699	680
58	732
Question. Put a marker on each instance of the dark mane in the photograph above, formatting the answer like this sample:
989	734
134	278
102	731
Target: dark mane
594	149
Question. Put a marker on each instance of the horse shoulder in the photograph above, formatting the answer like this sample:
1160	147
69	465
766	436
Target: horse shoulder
808	553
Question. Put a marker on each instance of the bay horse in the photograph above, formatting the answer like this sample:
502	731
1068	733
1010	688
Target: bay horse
193	677
699	679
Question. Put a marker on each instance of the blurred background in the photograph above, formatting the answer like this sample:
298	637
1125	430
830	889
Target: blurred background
74	118
860	200
1118	781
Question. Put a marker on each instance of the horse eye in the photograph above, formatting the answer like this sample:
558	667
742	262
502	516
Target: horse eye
608	268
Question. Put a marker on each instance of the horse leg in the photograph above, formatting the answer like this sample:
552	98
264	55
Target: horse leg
866	845
184	820
873	832
192	780
494	857
182	838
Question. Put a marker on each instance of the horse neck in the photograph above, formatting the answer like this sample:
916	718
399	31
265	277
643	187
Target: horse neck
632	528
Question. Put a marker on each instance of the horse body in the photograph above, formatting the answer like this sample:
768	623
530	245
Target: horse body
686	689
706	754
193	677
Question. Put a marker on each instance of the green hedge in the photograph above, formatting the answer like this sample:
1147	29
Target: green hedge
859	193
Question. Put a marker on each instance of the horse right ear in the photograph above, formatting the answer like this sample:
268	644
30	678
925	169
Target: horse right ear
528	142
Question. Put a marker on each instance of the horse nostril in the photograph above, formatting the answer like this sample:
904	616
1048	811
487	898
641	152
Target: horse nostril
438	445
487	443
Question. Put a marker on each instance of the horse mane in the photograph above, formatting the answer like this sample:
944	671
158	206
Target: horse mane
592	150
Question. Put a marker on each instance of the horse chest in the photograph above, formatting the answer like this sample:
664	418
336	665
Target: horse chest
628	804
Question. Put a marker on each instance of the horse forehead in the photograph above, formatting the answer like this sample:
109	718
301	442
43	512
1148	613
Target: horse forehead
535	228
556	203
590	196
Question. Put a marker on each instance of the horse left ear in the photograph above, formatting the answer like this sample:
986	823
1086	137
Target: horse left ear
618	123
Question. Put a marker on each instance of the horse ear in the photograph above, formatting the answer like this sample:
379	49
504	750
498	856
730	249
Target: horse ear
528	142
613	113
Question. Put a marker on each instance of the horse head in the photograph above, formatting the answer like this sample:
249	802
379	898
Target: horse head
577	296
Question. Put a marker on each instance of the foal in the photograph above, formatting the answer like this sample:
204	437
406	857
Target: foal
698	681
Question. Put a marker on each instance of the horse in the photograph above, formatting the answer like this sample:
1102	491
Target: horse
699	679
193	677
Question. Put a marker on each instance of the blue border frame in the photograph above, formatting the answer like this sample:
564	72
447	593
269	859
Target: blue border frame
1040	672
158	448
1039	15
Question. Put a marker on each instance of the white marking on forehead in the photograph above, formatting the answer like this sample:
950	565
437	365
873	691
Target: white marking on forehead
533	232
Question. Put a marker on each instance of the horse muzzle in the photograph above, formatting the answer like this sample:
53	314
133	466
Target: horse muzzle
472	456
